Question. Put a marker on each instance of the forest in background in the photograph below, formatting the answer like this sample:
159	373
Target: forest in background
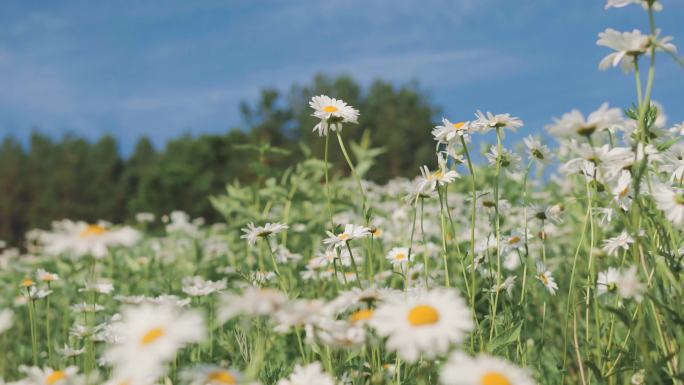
74	178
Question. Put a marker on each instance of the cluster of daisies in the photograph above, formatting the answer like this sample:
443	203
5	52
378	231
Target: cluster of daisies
539	266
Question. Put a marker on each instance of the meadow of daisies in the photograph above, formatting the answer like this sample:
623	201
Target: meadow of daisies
503	264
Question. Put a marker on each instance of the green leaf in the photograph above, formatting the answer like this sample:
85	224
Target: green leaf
505	338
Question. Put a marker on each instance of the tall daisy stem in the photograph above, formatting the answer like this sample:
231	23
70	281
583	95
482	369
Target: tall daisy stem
356	175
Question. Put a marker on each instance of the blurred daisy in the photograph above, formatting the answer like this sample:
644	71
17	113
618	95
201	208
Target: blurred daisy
544	276
462	369
486	122
607	281
45	276
628	46
536	150
199	287
574	122
507	160
5	320
332	113
150	336
644	3
398	256
70	352
629	286
252	302
308	375
426	323
49	376
612	245
252	232
80	239
211	375
506	285
670	201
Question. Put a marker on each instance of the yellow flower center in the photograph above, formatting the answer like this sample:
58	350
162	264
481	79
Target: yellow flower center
514	239
422	315
623	192
494	378
27	282
437	175
361	315
330	109
458	125
544	279
151	336
343	236
400	257
93	230
221	377
55	376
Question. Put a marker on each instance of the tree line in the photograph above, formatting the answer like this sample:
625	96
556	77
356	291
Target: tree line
74	178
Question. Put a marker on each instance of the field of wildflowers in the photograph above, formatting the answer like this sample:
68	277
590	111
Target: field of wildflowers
545	264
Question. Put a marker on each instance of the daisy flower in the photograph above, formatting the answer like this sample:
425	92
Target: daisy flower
544	276
252	302
80	238
622	190
670	201
450	132
350	233
607	280
506	285
45	276
628	46
332	113
199	287
536	150
426	323
644	3
462	369
507	160
398	256
629	286
486	122
612	245
307	375
70	352
574	122
150	336
49	376
252	232
428	181
211	375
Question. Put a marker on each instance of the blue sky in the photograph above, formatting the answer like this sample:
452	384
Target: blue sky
164	68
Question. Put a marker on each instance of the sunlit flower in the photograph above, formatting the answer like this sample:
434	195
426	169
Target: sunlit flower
45	276
426	323
536	150
607	281
428	181
332	113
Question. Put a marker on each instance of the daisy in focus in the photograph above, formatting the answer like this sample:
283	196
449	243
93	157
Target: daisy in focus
332	113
